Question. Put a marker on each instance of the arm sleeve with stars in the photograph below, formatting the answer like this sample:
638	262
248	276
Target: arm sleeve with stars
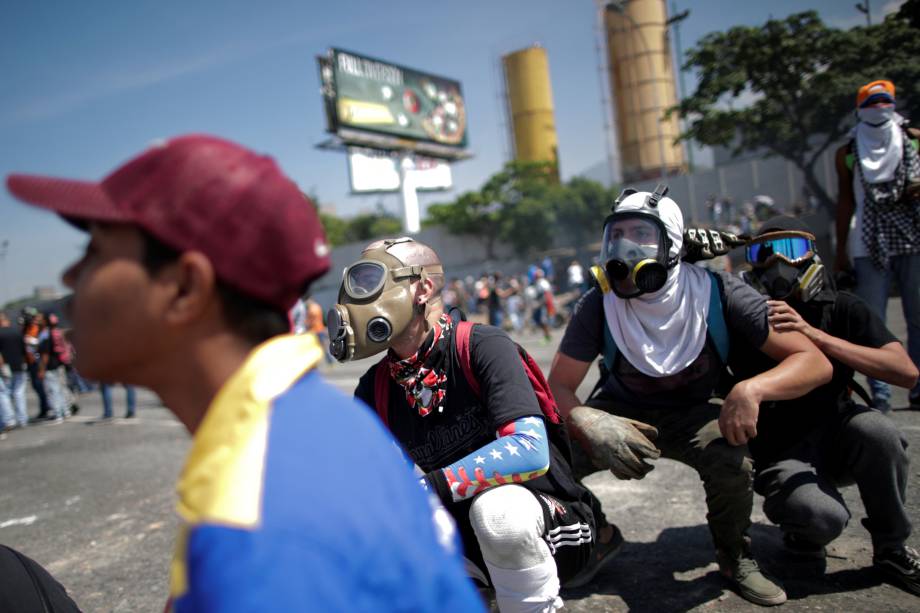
518	454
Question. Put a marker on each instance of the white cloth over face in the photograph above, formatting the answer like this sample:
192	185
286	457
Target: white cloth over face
662	333
880	147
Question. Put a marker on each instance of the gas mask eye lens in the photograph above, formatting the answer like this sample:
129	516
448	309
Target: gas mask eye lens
364	279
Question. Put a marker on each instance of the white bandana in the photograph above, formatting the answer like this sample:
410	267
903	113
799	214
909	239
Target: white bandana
879	147
662	333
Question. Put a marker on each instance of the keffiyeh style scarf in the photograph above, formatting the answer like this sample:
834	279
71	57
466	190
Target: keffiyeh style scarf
424	374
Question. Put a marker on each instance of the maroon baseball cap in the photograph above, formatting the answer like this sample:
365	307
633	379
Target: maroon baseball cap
206	194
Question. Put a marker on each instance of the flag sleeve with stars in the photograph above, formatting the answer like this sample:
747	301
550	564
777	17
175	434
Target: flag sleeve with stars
518	454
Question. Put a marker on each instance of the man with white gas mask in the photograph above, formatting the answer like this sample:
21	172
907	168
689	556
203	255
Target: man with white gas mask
878	215
809	447
667	330
459	399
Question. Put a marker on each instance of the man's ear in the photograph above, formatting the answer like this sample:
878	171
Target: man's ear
425	290
194	287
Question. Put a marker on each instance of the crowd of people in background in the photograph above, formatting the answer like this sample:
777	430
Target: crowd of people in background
37	352
527	302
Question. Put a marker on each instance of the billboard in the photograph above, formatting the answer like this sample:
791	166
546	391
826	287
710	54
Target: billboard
389	106
376	171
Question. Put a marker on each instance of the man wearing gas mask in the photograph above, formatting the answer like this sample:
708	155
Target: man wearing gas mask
488	454
666	330
808	447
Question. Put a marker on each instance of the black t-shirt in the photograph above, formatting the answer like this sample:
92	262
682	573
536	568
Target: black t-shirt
745	313
783	424
46	347
11	348
468	423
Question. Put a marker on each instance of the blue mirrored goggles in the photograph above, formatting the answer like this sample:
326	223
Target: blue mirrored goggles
791	247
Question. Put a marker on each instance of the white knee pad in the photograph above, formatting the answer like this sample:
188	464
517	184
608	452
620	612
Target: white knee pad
508	522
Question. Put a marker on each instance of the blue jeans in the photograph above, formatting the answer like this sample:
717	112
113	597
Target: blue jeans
872	286
54	391
130	400
14	390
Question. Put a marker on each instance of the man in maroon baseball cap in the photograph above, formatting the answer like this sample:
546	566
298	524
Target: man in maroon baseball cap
198	247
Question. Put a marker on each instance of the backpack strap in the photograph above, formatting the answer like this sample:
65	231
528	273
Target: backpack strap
462	342
610	347
715	320
382	389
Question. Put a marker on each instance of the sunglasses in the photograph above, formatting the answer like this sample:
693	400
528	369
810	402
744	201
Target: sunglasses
791	247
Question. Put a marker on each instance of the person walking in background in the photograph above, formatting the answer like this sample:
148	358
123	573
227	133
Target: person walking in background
12	376
130	401
32	325
54	356
878	216
317	326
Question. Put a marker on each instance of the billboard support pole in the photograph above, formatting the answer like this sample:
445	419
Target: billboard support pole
408	194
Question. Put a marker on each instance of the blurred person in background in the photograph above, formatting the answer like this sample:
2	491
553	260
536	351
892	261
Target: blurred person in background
12	376
32	328
878	216
54	357
130	401
317	326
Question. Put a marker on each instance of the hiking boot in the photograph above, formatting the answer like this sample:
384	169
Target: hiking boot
746	577
900	567
801	547
603	553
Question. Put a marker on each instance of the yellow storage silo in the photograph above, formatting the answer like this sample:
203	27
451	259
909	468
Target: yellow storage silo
642	84
530	101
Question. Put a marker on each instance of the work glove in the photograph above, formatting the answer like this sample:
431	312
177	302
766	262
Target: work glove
705	244
623	445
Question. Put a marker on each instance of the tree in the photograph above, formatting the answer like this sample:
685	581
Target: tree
803	78
367	226
336	228
580	208
511	206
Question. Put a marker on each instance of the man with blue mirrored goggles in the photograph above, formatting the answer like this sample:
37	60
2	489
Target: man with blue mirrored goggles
791	247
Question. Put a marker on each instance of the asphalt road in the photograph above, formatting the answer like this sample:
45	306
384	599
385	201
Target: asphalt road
93	502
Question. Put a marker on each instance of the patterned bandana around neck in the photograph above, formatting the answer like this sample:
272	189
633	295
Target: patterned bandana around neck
424	374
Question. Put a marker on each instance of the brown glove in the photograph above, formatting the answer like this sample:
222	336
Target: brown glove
623	445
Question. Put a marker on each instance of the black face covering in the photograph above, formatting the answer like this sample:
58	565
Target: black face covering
779	280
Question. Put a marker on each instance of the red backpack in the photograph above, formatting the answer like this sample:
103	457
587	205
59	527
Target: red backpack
554	425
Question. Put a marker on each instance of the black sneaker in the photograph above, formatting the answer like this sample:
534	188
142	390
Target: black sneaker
800	547
900	567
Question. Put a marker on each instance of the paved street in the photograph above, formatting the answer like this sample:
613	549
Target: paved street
93	502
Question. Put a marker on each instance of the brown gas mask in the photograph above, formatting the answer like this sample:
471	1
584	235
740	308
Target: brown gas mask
375	303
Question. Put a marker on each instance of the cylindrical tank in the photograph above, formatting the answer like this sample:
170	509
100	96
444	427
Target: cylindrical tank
530	101
642	84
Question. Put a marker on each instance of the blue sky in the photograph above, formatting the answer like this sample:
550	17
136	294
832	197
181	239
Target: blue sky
86	85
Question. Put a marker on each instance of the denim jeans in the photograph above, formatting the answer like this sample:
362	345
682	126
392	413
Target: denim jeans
13	399
872	286
130	400
54	391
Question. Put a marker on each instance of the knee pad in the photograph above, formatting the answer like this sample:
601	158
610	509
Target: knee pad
508	523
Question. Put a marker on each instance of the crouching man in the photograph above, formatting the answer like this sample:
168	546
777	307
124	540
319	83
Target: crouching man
809	447
470	420
667	330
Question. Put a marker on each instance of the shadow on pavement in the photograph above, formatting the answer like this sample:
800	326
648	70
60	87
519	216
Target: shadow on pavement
678	572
